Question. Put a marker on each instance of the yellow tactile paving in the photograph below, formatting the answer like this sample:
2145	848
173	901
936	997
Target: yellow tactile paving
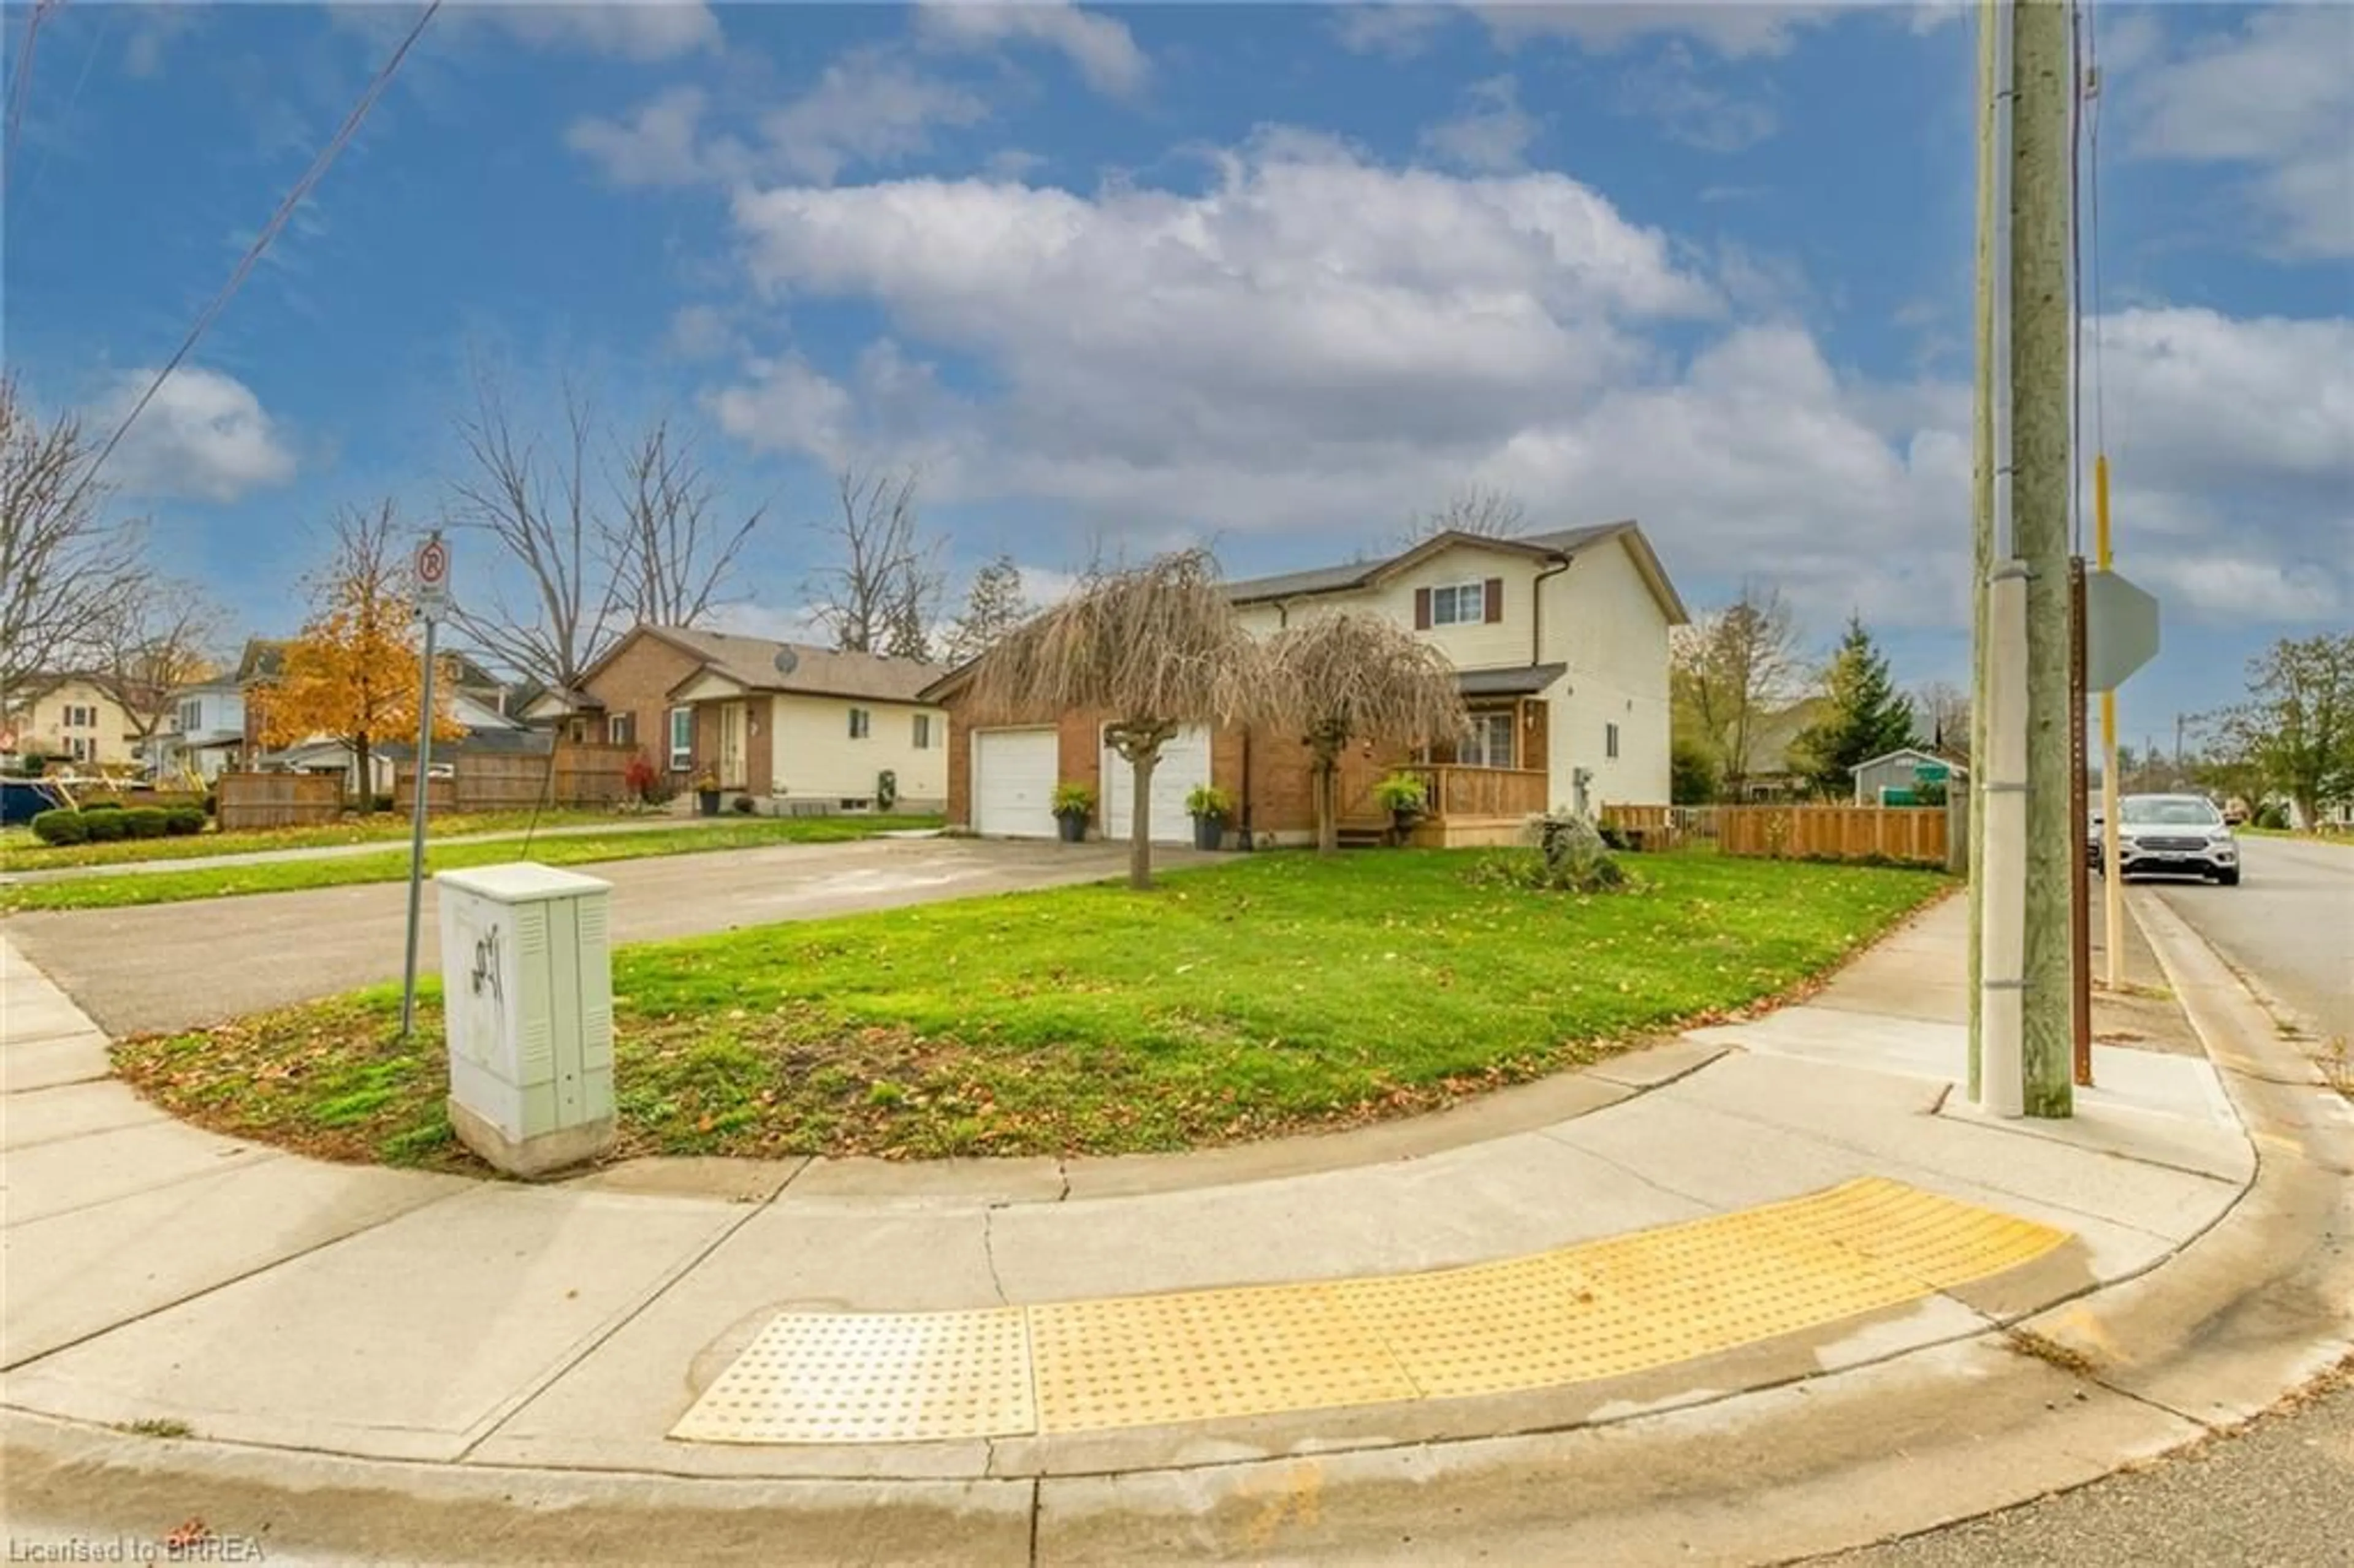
1578	1313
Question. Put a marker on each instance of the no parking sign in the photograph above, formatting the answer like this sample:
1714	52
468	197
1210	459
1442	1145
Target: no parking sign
432	564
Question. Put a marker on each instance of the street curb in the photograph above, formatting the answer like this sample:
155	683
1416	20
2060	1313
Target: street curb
2238	1317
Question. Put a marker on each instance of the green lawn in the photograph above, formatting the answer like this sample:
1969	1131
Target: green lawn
392	866
1269	994
24	853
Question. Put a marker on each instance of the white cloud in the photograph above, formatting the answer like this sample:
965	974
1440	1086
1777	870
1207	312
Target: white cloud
1492	133
1730	28
630	29
701	332
1670	89
2278	95
204	436
1102	48
1396	28
658	144
1317	345
869	108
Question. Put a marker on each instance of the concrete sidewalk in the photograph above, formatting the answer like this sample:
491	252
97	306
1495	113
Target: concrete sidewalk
525	1342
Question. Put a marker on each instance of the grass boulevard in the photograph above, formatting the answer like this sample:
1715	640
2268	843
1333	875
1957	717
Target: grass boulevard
392	866
1270	994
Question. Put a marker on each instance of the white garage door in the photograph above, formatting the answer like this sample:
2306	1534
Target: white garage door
1184	765
1014	782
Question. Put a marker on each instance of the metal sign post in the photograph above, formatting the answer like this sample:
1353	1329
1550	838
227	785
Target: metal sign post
432	567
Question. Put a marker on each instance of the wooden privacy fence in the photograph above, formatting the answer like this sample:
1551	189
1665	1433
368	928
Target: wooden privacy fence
577	775
1662	827
249	801
1910	833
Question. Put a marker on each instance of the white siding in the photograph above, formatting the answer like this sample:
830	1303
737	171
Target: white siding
1602	620
816	757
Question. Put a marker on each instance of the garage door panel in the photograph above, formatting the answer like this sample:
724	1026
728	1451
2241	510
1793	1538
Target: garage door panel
1184	767
1014	777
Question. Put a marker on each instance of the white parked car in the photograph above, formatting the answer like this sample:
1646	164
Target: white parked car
2176	835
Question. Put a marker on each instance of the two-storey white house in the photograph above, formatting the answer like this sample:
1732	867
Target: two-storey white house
1561	642
206	734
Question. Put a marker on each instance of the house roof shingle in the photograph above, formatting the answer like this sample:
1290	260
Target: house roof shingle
1522	682
751	663
1357	574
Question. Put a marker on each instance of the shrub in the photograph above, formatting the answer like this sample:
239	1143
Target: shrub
212	804
1209	800
184	821
61	827
1614	837
1073	800
639	778
382	802
1401	792
106	827
744	805
1566	856
2271	814
145	822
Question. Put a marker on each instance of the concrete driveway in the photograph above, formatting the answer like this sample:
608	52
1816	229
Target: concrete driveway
174	966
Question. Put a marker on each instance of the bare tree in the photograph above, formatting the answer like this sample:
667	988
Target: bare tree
673	545
994	606
1941	712
602	531
65	567
1481	509
1732	671
157	638
1352	677
536	506
882	591
1153	649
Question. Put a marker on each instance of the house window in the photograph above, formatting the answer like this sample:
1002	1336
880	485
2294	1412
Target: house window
1488	742
1610	741
923	727
1459	604
622	729
80	717
78	748
682	739
191	715
862	723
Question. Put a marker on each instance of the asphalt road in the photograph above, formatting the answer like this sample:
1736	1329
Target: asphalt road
175	966
2289	924
2275	1494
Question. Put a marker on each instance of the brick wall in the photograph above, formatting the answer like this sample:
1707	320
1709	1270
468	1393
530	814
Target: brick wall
638	682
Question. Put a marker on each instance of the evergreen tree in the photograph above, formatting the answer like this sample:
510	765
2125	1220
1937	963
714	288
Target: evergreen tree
1867	718
993	607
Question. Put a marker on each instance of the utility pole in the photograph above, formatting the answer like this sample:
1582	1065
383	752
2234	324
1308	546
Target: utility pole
2044	91
1982	522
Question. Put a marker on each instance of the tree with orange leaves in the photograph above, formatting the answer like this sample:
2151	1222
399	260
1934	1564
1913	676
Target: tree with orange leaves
353	671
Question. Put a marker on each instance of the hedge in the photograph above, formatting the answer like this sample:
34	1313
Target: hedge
102	821
61	827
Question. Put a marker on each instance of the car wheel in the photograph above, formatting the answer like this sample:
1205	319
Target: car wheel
2229	878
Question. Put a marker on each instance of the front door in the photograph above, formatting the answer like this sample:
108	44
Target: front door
731	746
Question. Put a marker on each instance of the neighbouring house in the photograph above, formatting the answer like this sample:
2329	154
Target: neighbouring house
784	724
71	716
484	728
1775	772
206	733
1560	640
1905	772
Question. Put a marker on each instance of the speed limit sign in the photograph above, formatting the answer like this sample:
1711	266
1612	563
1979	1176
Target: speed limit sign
433	578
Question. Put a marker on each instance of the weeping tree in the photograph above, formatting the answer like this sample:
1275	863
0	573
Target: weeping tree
1355	677
1154	648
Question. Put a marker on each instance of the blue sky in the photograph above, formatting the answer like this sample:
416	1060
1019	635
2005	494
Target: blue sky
1273	276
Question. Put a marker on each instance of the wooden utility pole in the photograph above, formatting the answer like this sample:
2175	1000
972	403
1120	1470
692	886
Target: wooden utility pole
2043	90
1982	522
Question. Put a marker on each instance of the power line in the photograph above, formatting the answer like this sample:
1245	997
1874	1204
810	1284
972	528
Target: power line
20	86
278	220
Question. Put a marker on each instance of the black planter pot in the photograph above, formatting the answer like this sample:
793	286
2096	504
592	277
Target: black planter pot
708	801
1209	833
1073	826
1401	827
